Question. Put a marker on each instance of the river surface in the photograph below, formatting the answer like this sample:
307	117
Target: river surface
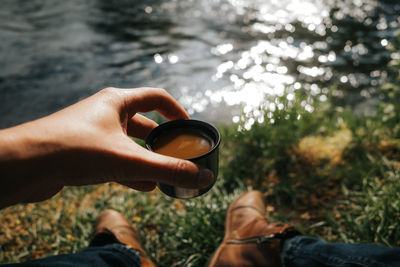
217	57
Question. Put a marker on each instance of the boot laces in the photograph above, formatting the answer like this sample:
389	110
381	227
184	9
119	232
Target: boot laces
287	233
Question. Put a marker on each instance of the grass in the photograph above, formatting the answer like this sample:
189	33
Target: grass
174	232
331	173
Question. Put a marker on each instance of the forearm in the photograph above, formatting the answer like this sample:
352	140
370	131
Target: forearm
21	168
87	143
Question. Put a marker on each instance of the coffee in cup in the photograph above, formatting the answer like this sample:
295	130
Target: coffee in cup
192	140
182	143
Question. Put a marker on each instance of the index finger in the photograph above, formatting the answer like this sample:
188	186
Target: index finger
147	99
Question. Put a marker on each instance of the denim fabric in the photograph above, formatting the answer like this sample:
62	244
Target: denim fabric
101	256
297	251
308	251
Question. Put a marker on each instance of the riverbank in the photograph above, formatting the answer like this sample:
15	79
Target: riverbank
332	173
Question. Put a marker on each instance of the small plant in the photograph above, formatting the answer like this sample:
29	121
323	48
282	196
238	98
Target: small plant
372	214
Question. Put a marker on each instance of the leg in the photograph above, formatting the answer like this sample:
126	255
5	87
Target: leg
104	256
113	227
115	243
250	240
308	251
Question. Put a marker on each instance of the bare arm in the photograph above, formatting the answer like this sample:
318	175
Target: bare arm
88	143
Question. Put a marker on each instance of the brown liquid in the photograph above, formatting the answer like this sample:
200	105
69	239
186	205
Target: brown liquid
183	144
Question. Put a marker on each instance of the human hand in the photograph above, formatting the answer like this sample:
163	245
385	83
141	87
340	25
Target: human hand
89	143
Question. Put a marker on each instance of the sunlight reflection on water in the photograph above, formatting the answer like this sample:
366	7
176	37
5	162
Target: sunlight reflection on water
217	57
261	72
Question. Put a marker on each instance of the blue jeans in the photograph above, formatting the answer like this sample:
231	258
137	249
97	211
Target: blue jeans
308	251
297	251
99	256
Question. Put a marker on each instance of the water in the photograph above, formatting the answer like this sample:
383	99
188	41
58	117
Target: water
212	55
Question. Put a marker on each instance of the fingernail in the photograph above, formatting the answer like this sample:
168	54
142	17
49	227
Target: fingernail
206	177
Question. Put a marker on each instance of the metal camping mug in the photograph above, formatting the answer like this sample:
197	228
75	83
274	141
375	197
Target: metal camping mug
208	160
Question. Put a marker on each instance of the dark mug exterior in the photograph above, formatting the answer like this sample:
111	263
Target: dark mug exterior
208	160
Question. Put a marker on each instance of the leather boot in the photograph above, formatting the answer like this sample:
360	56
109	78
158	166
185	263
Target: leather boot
250	240
113	227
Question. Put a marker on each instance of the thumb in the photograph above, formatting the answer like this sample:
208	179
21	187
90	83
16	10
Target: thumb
172	171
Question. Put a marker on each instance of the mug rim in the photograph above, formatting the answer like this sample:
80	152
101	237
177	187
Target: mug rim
185	122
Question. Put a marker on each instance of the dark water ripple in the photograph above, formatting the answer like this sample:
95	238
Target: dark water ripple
211	55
